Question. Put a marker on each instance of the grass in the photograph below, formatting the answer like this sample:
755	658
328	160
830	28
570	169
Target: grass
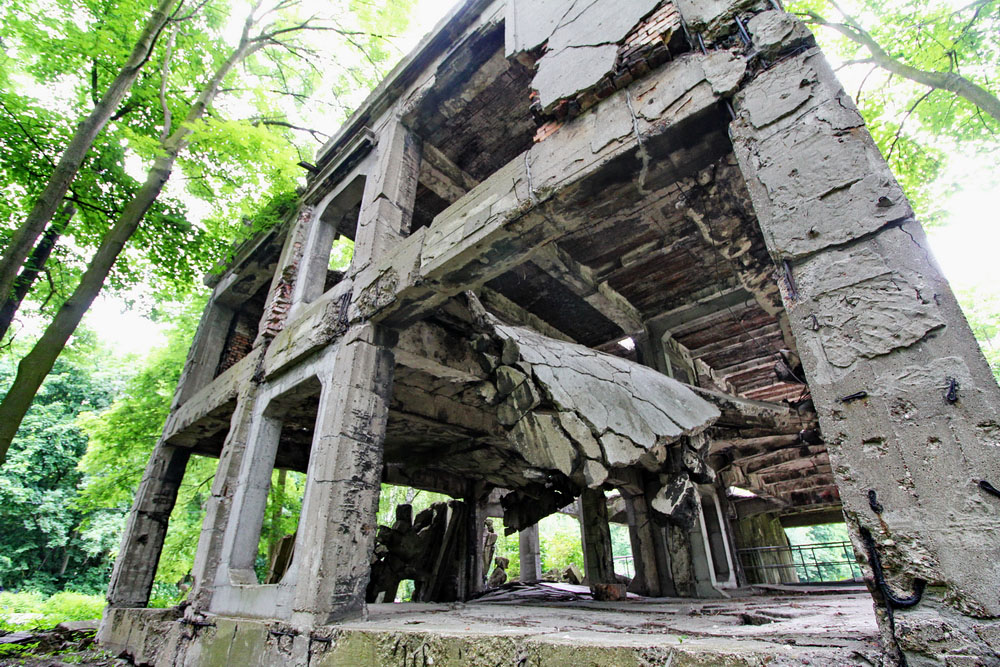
27	610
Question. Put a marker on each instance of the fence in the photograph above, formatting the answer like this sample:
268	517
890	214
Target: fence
823	562
624	565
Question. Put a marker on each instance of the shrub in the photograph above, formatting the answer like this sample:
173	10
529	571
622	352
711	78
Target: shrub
19	611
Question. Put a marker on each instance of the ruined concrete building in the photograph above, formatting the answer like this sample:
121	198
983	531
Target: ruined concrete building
613	249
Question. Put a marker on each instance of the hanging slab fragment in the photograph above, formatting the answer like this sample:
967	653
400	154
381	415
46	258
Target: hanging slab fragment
576	414
581	39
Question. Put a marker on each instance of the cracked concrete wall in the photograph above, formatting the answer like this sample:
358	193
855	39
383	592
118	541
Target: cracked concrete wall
907	404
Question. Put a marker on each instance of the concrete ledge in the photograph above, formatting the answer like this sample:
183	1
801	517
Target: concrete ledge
773	630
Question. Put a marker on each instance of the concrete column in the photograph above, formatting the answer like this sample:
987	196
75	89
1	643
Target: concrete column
476	500
206	349
279	300
530	555
142	542
321	231
690	564
718	543
337	526
219	505
907	404
764	530
598	560
646	543
315	257
390	191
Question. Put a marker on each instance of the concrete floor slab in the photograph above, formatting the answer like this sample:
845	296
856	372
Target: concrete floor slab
792	629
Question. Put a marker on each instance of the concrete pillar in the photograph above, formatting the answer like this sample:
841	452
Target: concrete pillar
690	561
907	404
647	548
320	232
206	349
142	542
759	567
279	300
718	542
337	526
598	560
475	533
390	191
219	505
530	555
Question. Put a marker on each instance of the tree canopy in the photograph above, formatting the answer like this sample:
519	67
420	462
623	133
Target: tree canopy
48	539
199	63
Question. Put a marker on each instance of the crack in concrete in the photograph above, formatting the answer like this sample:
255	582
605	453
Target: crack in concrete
895	223
642	153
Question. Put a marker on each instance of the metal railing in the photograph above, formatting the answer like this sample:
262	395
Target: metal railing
624	565
823	562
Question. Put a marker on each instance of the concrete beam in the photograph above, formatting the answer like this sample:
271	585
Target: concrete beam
442	176
529	202
580	279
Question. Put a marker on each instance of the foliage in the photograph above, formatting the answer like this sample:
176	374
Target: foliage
122	437
507	546
918	125
981	306
44	540
20	611
59	55
392	495
341	254
621	549
821	564
120	441
559	538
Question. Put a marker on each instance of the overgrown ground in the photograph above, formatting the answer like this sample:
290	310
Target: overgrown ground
31	618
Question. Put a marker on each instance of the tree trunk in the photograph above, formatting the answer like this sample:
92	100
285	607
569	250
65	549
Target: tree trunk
278	503
69	164
32	267
35	366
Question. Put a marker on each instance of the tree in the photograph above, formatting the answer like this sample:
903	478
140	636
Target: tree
276	34
982	309
31	136
44	543
945	40
22	241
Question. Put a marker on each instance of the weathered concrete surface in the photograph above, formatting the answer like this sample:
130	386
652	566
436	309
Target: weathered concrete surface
714	18
588	415
907	404
345	471
581	40
529	555
142	540
525	203
830	630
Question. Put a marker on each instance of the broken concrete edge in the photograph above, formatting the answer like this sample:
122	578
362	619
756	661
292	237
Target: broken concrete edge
594	35
561	404
154	637
502	222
